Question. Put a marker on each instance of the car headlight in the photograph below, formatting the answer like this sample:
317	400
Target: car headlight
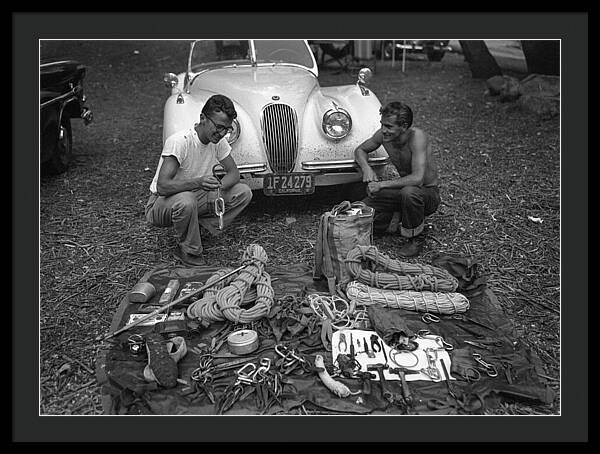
235	134
337	123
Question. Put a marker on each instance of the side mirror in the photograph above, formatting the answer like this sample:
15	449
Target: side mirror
170	80
364	75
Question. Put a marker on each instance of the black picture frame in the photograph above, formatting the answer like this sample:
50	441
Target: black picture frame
571	28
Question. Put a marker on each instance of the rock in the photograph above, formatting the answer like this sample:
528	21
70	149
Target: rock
541	85
495	85
511	89
545	107
506	87
540	94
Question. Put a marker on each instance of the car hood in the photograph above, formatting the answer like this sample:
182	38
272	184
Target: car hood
254	87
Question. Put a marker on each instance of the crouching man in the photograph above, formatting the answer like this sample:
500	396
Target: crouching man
184	188
408	199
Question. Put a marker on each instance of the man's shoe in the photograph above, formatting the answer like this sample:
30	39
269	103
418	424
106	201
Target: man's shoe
189	259
413	247
177	348
161	367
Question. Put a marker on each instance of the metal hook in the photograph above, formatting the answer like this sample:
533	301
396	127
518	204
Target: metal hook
490	369
430	318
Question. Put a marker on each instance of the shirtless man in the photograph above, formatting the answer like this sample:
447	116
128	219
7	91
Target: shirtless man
412	196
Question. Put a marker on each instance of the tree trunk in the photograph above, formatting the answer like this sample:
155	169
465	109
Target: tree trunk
483	65
542	57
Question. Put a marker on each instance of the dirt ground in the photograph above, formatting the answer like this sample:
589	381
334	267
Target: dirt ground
500	185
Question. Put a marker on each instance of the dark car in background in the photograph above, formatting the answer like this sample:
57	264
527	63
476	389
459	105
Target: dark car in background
434	49
62	98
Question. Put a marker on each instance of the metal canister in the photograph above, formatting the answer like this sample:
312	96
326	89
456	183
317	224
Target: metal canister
242	342
142	292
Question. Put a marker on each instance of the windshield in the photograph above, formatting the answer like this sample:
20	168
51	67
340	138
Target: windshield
210	53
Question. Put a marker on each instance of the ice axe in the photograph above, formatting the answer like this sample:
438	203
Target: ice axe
171	304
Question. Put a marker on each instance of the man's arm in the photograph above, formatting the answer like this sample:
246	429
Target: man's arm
232	174
418	145
166	184
361	156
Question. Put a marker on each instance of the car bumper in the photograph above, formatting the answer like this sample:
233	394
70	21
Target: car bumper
423	47
326	173
319	167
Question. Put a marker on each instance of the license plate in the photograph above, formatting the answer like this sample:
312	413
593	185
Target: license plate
289	184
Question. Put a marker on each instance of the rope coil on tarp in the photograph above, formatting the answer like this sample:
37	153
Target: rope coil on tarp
224	301
432	302
386	273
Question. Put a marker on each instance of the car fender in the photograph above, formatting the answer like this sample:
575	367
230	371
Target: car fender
247	149
364	111
179	116
51	118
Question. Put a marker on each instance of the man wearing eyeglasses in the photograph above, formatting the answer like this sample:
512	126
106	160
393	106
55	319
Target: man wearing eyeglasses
184	187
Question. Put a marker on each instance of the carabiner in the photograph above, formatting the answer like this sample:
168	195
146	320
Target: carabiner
342	341
244	376
282	350
219	206
490	369
471	375
199	374
265	363
443	344
430	318
432	372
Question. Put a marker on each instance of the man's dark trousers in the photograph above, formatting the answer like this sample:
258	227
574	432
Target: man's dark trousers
412	203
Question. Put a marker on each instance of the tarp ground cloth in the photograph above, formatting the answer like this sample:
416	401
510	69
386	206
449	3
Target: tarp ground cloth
126	392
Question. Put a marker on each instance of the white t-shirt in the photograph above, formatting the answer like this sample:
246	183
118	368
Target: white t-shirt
195	159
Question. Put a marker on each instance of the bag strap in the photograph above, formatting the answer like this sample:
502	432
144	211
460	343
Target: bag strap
323	264
318	260
328	271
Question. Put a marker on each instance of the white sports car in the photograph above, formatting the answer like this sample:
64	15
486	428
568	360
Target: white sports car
290	134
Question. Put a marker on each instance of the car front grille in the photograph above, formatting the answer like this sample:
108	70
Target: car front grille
279	124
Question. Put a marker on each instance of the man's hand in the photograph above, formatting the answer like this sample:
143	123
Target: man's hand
369	175
373	187
209	183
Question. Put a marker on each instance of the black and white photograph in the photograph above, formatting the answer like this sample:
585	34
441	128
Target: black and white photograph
330	229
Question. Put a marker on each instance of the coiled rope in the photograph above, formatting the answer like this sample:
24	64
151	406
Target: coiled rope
401	275
433	302
224	300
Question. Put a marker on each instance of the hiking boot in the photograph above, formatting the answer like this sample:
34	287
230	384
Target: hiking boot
177	348
412	247
189	259
161	367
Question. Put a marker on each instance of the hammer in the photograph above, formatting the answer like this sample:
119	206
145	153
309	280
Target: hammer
400	371
366	382
379	367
